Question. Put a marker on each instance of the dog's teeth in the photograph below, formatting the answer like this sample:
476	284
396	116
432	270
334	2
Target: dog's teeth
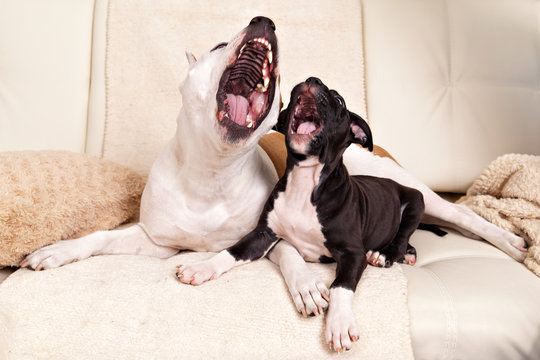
269	56
249	121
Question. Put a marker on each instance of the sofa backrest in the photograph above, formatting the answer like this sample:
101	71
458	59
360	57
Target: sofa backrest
45	49
449	84
452	84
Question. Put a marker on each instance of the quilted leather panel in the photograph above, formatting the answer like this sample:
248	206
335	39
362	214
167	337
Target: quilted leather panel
451	85
44	73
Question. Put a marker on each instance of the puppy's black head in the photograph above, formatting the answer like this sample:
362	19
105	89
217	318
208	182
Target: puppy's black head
317	123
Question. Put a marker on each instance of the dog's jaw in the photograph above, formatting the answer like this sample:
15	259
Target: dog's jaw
204	93
248	88
304	123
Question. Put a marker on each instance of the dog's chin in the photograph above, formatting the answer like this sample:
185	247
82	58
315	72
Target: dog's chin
247	90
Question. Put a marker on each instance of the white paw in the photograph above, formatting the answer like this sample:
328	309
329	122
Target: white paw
196	274
53	256
341	328
516	247
199	272
375	258
310	295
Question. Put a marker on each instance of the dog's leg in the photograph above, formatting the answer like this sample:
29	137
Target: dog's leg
399	249
341	327
131	240
310	295
251	247
461	217
437	210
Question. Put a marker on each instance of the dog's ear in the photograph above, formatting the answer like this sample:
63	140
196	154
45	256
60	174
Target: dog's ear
361	131
281	125
190	58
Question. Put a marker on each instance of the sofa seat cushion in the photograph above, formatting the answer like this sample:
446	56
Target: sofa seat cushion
469	300
133	307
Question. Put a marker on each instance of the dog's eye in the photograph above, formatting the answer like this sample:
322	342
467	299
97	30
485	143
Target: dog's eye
340	100
219	46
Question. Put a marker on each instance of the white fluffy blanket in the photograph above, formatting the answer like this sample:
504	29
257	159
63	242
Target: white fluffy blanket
133	307
507	193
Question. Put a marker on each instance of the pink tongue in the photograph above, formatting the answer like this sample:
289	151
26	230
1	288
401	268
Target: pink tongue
238	108
306	128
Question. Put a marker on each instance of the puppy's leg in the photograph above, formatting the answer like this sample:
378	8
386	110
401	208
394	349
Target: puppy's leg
437	210
310	295
131	240
251	247
341	327
399	249
458	216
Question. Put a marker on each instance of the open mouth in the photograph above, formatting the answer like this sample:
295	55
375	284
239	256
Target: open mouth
246	89
306	122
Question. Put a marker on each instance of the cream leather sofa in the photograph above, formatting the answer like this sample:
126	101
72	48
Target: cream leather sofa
447	86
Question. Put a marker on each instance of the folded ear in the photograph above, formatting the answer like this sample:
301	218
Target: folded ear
281	125
361	131
190	58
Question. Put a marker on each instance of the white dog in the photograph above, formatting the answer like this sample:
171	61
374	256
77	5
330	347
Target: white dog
208	186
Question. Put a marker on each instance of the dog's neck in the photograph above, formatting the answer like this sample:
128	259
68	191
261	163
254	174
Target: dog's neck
202	155
322	175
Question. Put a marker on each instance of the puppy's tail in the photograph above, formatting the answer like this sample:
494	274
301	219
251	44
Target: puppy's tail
432	228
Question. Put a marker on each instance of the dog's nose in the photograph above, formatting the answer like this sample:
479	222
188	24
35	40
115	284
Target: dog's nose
314	80
264	20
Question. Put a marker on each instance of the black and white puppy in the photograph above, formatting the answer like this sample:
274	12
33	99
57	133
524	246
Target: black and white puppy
322	211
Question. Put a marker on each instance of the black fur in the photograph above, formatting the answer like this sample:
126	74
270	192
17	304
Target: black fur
357	213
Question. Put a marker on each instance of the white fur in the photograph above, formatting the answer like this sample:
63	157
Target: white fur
310	295
294	217
197	273
341	327
202	193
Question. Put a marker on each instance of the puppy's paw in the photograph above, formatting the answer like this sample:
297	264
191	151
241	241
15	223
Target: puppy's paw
197	273
379	259
310	295
410	256
341	327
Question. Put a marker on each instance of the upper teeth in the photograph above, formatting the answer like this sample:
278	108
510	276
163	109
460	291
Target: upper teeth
264	42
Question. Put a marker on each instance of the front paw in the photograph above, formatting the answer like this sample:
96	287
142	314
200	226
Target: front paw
197	273
341	330
341	327
310	295
55	255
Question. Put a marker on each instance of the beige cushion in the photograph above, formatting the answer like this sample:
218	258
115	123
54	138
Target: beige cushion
451	85
45	51
55	195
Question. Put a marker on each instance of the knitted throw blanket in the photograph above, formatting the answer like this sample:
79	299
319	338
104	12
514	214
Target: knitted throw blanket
507	194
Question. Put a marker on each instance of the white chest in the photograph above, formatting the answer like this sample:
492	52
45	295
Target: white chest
294	217
201	211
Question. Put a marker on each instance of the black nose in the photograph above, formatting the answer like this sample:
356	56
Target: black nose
314	80
264	20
